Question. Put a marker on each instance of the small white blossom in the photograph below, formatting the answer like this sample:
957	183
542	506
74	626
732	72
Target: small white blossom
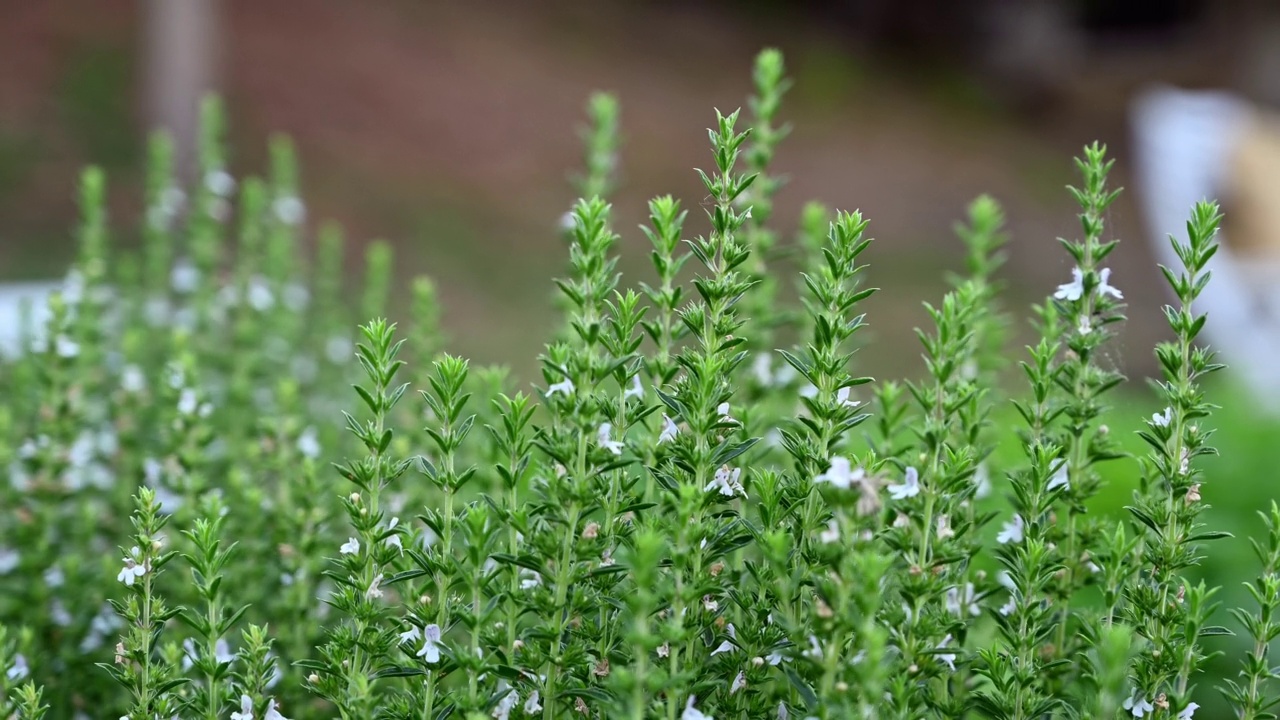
669	430
350	547
532	706
842	397
260	296
133	569
9	559
273	712
1162	419
1073	290
1059	479
132	380
727	646
184	278
413	634
309	443
944	528
774	657
1104	288
831	534
910	486
948	659
692	713
564	387
1085	327
809	391
431	644
815	650
66	347
220	183
1138	705
723	411
960	601
289	210
982	478
739	682
375	588
664	650
841	474
708	602
188	402
1009	607
1189	711
782	711
727	482
19	669
604	438
1011	531
762	369
393	540
502	711
529	579
636	390
246	709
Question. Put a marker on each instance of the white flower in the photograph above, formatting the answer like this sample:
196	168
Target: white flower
775	657
948	659
815	650
809	391
692	713
260	296
727	482
188	402
503	709
19	669
393	540
132	569
841	474
664	650
66	347
1189	711
350	547
1011	531
723	410
1009	607
831	534
727	646
411	635
1059	479
184	277
669	430
132	380
762	369
273	713
1074	289
1104	288
532	706
309	443
431	644
220	183
982	477
1138	705
246	709
375	588
564	387
1085	327
958	602
636	390
842	397
529	579
739	682
708	602
289	210
604	439
1162	419
910	487
568	222
9	559
944	528
338	349
782	711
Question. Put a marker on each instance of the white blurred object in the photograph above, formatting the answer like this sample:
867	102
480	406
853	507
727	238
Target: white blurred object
12	298
1184	143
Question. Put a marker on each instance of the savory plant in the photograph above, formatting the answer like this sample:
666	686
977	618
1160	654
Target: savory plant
702	510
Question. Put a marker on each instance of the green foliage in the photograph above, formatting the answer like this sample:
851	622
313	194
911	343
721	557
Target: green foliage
702	510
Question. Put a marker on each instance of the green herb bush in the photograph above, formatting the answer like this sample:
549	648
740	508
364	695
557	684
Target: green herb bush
702	510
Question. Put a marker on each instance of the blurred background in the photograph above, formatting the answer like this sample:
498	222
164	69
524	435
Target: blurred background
450	129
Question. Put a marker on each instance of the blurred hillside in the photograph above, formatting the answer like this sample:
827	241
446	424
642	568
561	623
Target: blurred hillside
450	129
